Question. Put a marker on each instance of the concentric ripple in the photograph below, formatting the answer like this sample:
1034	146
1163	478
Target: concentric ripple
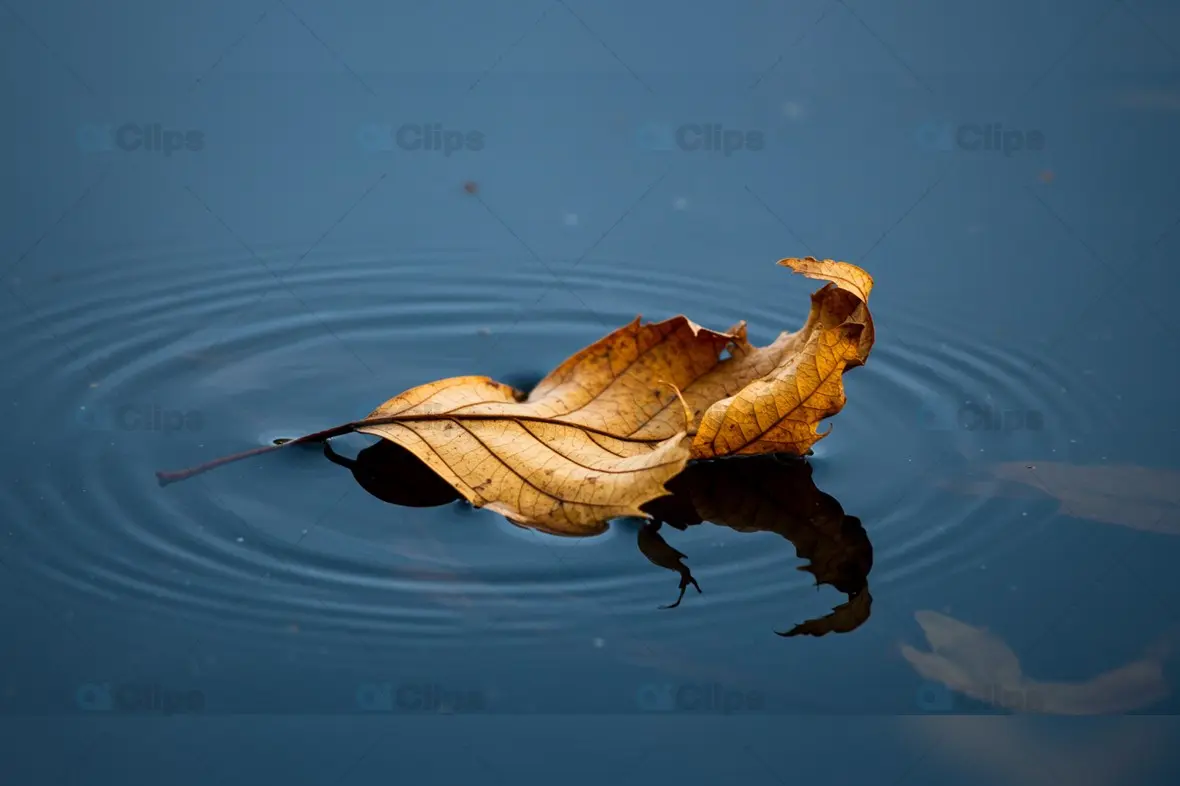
136	367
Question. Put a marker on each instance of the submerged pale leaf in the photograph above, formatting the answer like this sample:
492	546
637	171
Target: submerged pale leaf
1142	498
977	663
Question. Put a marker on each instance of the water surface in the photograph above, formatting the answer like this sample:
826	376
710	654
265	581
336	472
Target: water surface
994	511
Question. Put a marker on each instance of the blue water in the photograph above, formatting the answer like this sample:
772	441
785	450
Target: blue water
229	223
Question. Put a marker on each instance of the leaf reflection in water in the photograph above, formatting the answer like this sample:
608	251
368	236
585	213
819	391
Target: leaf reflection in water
756	494
768	494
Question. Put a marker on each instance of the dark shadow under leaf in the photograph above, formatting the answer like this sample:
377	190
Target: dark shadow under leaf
770	494
756	494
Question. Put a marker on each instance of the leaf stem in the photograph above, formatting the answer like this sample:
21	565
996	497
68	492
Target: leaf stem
164	478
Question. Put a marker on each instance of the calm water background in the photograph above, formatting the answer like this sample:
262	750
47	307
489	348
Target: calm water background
289	264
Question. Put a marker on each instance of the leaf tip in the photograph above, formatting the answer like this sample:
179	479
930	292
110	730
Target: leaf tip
845	275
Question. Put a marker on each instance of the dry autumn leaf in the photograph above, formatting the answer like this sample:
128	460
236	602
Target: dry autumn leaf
601	434
778	410
524	459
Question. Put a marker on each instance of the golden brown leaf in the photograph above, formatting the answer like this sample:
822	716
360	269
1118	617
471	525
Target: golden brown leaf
594	440
601	434
517	459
